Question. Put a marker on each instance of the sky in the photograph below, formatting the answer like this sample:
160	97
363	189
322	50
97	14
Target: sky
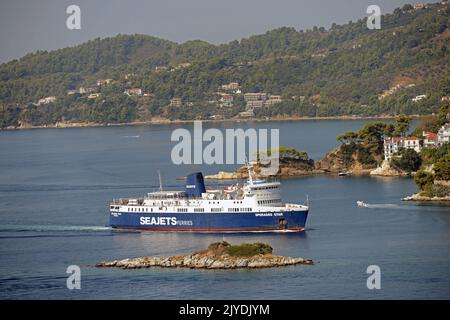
30	25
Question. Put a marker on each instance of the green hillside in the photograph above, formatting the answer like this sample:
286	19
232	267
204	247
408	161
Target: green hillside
341	71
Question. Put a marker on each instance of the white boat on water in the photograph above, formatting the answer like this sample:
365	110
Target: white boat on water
362	204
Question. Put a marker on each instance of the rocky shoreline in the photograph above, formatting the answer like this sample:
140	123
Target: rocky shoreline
420	198
196	262
386	170
215	257
60	125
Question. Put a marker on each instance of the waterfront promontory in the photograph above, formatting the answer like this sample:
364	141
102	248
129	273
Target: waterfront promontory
219	255
379	149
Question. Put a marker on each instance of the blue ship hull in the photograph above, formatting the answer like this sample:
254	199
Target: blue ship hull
211	222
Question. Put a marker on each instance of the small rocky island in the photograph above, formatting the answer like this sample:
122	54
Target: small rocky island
219	255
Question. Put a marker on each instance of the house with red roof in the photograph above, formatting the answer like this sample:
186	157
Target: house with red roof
430	139
395	144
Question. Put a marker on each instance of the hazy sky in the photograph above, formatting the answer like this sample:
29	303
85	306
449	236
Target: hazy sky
30	25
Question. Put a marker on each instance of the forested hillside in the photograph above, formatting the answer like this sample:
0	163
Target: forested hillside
346	70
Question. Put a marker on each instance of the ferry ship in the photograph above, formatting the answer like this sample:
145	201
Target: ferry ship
255	206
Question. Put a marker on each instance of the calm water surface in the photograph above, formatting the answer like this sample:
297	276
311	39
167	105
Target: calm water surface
55	186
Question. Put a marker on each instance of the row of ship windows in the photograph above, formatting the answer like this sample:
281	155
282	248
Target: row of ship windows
264	188
239	209
139	210
217	202
269	201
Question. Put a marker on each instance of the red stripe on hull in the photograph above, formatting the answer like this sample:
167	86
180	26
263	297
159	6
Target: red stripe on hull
297	229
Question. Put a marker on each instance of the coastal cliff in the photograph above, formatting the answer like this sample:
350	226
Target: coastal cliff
340	160
220	255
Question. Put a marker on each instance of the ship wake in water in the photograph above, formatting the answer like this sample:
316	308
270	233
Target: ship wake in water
392	206
53	228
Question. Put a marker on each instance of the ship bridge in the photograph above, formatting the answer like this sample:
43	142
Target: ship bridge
263	192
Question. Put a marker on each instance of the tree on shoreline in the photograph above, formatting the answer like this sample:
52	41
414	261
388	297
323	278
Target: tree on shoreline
348	138
442	168
423	179
286	153
407	160
403	123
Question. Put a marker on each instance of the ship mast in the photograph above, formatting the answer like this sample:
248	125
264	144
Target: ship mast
160	181
250	172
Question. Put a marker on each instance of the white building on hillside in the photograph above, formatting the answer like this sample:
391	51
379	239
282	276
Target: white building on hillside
230	86
46	100
176	102
254	104
444	134
430	139
104	82
93	95
395	144
418	98
273	99
133	92
84	90
255	96
226	100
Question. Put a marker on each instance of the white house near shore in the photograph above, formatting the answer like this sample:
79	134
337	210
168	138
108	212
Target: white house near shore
430	140
444	134
395	144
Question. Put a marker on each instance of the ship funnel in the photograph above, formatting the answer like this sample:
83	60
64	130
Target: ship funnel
195	185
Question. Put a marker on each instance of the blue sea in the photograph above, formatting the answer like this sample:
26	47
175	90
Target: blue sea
56	184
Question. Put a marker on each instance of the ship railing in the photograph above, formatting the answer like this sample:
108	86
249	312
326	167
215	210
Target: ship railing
125	202
294	206
120	201
272	179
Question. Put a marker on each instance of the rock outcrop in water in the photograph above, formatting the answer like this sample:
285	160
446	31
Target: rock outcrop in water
386	170
219	255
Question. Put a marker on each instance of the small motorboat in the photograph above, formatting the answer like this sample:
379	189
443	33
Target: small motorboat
362	204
